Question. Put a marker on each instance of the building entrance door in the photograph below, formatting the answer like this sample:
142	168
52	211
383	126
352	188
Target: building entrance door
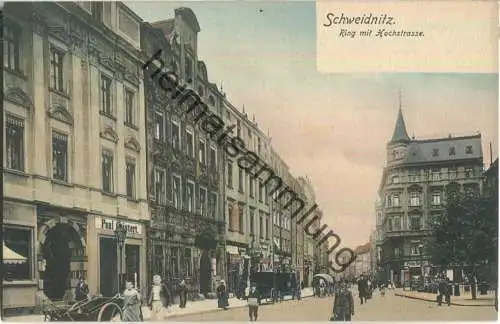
57	250
108	276
132	263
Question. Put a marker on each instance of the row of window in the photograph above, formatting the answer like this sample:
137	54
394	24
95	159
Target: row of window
415	249
174	262
58	75
243	177
395	223
185	195
253	143
415	199
259	218
186	143
14	142
282	220
433	175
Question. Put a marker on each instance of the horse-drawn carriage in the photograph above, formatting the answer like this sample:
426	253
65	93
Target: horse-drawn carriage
95	309
270	284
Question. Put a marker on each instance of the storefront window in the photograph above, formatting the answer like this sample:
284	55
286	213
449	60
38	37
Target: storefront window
174	262
188	265
17	263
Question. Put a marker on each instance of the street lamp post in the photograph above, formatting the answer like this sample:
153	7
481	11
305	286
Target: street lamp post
421	248
120	235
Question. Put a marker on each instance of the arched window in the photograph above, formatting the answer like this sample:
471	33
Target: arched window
201	92
211	101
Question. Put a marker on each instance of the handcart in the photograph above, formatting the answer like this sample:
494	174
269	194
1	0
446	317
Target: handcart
94	309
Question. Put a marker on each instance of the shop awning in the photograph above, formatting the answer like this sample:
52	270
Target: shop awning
231	249
11	257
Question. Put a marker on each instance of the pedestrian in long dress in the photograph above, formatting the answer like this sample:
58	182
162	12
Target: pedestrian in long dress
182	294
222	299
159	299
131	304
343	304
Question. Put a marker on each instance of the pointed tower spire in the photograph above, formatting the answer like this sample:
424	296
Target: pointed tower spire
400	134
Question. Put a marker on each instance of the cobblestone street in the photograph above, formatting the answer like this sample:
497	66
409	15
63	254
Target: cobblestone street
388	308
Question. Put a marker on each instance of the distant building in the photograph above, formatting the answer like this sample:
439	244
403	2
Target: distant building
362	264
412	189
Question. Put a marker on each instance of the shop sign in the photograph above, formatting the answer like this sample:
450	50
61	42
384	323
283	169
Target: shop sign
109	224
413	264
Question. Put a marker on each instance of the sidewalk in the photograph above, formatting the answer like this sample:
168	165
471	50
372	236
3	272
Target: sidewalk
198	307
462	300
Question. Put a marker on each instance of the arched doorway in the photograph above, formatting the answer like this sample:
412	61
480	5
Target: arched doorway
60	242
205	272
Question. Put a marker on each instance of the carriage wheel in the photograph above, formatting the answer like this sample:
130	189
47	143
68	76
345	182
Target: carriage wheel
110	312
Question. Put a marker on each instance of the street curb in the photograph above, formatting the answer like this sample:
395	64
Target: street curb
434	301
215	310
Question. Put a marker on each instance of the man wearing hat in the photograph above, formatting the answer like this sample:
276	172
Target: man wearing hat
343	305
159	298
253	303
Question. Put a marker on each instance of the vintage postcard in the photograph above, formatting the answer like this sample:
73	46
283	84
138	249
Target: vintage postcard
325	160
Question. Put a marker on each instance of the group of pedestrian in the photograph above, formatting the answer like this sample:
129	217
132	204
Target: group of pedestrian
343	304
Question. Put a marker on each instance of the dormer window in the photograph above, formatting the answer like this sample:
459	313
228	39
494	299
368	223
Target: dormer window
97	8
435	152
452	151
468	149
395	179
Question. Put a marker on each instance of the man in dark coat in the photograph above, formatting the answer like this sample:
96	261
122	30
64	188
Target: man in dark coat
343	304
362	289
444	291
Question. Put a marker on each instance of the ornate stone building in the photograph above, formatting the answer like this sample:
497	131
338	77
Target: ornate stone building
74	150
185	167
412	189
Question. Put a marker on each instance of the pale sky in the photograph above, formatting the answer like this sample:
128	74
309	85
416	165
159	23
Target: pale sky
333	128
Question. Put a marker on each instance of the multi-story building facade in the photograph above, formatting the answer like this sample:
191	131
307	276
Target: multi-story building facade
413	191
185	167
309	243
297	230
378	240
74	152
248	239
282	223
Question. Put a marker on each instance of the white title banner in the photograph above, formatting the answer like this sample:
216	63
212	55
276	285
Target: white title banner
407	36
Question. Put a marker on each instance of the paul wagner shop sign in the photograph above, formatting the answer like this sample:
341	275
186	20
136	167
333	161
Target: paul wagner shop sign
108	224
